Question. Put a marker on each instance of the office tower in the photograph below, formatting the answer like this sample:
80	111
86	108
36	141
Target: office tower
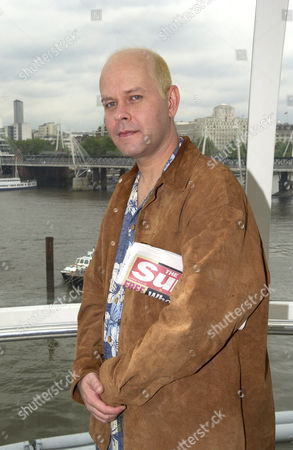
18	111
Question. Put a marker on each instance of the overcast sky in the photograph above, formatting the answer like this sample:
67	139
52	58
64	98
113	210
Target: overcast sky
52	52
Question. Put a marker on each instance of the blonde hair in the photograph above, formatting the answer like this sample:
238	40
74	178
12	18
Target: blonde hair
159	68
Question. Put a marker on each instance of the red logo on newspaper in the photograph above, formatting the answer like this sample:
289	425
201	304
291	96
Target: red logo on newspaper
149	276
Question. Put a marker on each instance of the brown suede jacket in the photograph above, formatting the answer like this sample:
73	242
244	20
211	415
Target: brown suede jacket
186	372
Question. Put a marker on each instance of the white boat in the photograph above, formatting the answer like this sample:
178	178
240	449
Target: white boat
74	273
10	184
13	183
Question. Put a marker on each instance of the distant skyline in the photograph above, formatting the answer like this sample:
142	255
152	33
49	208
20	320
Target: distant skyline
51	55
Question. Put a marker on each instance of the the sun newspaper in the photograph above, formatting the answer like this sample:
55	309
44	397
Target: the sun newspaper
151	271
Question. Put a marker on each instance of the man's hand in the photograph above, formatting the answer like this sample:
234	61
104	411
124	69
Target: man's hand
90	389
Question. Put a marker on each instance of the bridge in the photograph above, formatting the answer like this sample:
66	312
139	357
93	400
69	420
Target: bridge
90	172
88	162
280	164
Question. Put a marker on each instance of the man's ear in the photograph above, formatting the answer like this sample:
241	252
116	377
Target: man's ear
173	97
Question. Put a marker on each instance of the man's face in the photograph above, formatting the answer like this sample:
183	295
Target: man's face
136	116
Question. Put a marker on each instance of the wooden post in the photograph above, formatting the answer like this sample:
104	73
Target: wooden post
50	267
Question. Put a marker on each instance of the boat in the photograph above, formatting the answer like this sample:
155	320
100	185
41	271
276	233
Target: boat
15	183
74	274
10	184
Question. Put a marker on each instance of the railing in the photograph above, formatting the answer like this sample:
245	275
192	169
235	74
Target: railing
280	164
60	320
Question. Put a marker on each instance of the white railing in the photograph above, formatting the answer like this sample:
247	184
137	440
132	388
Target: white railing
60	320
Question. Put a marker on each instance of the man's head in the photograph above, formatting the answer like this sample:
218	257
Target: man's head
140	101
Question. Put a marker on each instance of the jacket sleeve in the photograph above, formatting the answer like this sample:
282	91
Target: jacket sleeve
89	345
223	264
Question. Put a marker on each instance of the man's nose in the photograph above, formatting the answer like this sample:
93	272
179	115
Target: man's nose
122	112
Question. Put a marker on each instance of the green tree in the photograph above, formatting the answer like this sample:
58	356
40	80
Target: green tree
34	146
210	148
231	150
280	148
100	146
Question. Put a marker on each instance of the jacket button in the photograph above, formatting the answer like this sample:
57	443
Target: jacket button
120	180
112	243
241	224
196	268
100	438
145	224
115	210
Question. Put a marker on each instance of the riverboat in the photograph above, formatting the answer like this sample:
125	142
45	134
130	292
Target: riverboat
10	184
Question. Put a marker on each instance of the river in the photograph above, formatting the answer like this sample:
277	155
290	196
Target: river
31	367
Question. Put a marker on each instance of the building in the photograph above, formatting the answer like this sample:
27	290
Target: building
284	132
222	127
102	131
4	147
18	111
47	130
19	130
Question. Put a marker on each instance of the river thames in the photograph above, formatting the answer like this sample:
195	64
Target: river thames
73	219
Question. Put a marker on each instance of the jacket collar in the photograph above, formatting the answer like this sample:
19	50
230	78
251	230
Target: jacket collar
178	173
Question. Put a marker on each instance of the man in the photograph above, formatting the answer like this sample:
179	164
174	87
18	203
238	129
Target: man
195	371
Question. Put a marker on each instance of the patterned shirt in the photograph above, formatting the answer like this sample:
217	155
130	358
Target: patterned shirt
116	292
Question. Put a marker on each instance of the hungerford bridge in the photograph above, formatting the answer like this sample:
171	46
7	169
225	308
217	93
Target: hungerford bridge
81	165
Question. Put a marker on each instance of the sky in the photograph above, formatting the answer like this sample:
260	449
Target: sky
52	52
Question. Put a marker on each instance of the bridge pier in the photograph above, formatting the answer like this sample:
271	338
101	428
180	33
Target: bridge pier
96	178
103	179
285	185
80	184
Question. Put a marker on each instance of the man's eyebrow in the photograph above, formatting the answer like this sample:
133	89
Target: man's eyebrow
135	89
105	99
129	91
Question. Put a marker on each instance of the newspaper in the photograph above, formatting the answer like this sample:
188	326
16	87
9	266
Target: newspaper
151	271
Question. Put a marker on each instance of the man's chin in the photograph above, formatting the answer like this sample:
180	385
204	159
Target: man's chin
131	150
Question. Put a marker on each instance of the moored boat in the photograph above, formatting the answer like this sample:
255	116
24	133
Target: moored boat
74	274
10	184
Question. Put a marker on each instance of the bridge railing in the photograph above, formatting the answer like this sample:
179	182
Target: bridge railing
121	161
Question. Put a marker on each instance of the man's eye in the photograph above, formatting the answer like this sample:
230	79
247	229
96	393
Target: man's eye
136	97
109	104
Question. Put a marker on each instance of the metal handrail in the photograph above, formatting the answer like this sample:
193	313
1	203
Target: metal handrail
41	332
275	327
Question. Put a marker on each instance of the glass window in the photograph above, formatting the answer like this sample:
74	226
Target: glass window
54	71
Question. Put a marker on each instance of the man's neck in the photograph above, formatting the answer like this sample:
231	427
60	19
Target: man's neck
152	167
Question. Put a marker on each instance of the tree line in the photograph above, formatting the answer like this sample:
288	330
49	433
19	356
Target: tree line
94	146
104	146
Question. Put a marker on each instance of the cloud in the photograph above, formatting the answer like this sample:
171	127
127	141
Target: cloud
201	53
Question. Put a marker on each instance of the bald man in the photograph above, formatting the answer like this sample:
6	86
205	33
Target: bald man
157	372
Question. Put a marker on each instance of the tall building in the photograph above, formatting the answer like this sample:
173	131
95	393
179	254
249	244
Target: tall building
20	130
18	111
222	127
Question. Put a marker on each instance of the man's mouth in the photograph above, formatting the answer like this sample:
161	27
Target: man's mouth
127	133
